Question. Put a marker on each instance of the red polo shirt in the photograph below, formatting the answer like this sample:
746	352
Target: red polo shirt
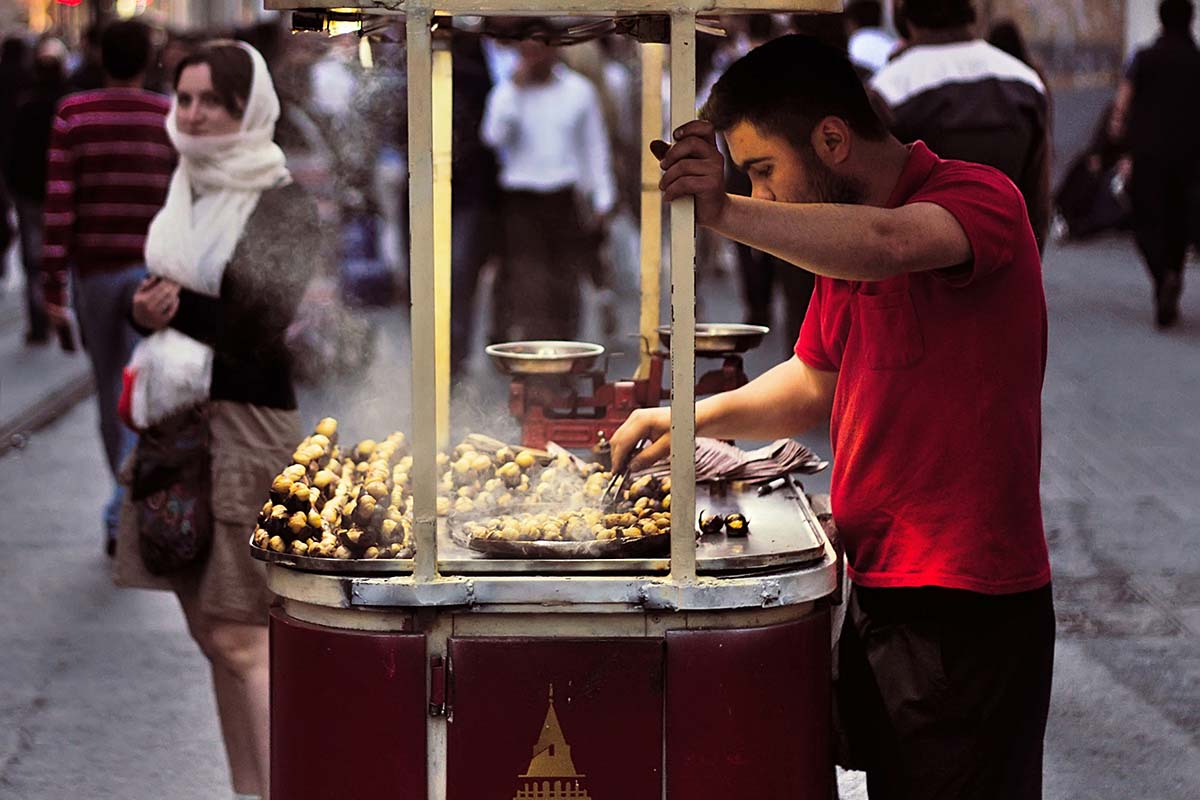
936	426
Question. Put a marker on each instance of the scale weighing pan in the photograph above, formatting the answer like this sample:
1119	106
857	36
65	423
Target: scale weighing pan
721	338
544	357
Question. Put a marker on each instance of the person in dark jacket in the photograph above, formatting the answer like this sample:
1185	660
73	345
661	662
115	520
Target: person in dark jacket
229	257
969	101
1156	111
25	174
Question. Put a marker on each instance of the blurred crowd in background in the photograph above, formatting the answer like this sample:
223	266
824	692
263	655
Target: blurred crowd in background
343	129
547	152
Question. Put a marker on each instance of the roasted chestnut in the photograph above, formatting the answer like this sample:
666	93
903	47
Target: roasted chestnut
711	523
736	525
327	428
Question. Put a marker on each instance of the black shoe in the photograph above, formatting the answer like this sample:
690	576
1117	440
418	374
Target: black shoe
1166	300
37	338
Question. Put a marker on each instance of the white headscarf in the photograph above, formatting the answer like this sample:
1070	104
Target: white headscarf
212	194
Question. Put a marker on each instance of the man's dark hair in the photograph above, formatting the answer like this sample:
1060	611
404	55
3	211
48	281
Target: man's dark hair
787	86
1176	15
936	15
231	70
125	49
865	13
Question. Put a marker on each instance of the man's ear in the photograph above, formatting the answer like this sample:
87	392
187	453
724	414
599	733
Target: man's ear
831	140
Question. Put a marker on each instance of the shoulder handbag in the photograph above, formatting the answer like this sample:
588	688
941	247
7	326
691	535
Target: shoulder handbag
172	491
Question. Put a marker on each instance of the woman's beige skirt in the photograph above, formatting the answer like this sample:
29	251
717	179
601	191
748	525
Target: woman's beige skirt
250	445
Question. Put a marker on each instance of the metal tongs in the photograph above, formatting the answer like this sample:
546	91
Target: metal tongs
612	492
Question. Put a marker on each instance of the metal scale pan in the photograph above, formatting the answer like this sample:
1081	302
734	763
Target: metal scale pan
544	357
721	338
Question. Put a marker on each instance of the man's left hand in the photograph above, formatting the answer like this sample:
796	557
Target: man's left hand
694	167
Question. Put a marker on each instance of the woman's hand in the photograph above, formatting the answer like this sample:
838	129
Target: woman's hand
155	303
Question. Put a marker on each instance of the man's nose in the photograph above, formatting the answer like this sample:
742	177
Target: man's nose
762	193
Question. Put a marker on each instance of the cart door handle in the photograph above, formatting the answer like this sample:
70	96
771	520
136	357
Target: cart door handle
437	686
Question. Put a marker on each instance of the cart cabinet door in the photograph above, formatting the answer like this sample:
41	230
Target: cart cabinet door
748	712
348	712
555	719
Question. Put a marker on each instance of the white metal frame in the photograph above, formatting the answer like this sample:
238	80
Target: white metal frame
424	296
595	604
428	402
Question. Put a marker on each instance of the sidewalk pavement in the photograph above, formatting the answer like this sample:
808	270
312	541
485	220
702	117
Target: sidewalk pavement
37	383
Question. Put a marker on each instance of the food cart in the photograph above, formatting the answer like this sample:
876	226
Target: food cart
695	669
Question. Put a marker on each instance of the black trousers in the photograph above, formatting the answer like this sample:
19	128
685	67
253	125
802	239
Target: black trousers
545	258
943	694
1166	212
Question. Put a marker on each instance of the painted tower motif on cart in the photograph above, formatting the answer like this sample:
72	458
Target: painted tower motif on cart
551	774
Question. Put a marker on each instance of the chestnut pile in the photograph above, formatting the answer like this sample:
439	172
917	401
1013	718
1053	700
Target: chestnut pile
356	503
646	511
330	504
478	481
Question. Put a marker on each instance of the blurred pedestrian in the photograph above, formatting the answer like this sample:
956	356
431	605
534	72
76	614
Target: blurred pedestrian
548	129
108	169
14	80
25	173
870	45
1091	198
1157	110
229	256
969	100
474	222
89	73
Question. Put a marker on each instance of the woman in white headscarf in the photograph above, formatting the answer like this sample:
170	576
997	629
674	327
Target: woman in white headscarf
229	256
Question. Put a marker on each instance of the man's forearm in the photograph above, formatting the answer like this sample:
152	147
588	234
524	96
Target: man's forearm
776	404
851	242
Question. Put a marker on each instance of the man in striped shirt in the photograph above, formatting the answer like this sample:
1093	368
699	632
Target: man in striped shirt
109	165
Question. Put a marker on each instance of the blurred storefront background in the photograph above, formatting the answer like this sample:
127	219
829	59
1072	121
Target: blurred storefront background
69	18
1078	43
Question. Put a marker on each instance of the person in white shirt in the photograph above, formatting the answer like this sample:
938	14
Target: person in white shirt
869	44
556	178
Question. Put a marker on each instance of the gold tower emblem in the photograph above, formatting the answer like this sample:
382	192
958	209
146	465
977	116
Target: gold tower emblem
551	774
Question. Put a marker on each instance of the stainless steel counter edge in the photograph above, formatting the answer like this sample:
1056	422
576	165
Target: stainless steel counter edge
629	593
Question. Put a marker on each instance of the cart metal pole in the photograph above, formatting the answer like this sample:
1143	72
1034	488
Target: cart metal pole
651	207
443	94
683	315
423	292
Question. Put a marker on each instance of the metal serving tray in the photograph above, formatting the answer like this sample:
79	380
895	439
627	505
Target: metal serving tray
784	532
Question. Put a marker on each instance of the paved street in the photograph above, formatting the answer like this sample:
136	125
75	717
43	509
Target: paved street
103	695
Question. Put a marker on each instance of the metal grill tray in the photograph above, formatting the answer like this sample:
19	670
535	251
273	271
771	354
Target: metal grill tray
611	548
338	566
784	532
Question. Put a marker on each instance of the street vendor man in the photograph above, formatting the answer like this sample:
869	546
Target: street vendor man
924	349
